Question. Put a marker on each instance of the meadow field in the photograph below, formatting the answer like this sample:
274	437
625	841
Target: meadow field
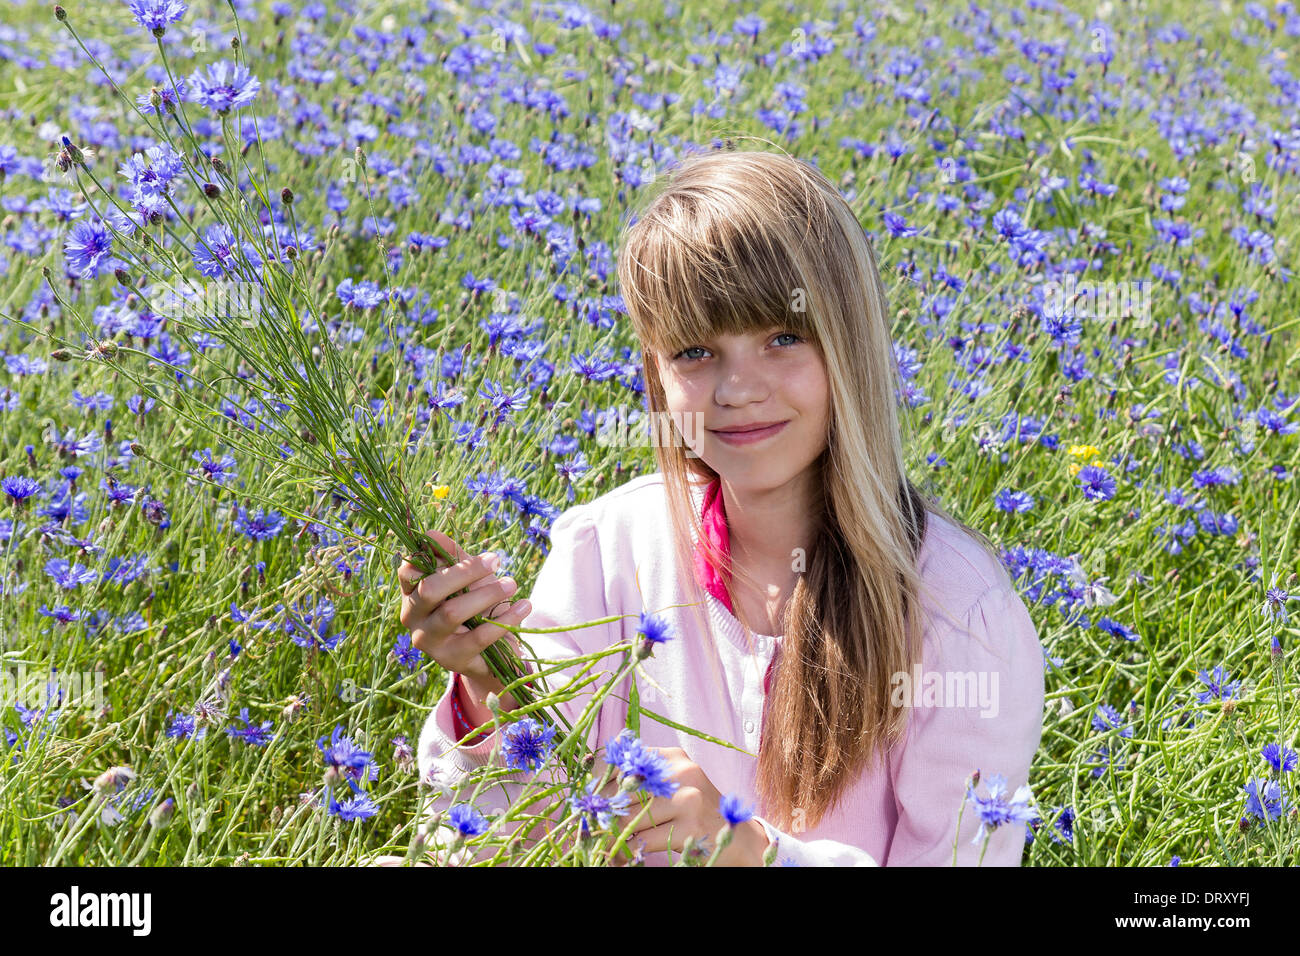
1085	216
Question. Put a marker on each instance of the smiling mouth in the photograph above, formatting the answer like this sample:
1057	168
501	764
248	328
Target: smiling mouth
750	436
746	429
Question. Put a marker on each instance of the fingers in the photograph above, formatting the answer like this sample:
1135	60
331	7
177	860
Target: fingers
485	635
409	575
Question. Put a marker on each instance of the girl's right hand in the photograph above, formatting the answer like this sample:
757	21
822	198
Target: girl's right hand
437	621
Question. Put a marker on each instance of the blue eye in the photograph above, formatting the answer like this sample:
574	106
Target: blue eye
682	354
693	348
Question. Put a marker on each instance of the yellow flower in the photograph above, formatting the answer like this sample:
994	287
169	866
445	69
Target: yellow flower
1084	451
441	491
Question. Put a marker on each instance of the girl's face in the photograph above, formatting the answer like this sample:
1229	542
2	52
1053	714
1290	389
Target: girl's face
738	381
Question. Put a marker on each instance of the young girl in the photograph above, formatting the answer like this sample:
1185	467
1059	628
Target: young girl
865	650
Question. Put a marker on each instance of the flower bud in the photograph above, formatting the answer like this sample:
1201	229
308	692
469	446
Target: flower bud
333	777
769	855
219	165
361	157
114	778
162	814
122	276
138	450
493	703
291	252
286	196
211	190
61	355
60	14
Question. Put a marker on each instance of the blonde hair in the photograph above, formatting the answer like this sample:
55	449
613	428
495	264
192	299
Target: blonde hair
733	242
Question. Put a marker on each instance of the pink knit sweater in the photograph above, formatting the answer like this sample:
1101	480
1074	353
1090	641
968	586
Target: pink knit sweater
976	698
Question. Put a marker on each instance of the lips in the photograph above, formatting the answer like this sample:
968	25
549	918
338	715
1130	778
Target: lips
741	429
755	434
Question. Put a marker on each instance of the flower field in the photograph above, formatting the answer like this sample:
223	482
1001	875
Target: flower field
283	284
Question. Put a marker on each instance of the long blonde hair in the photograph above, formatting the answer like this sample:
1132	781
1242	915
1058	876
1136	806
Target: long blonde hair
732	242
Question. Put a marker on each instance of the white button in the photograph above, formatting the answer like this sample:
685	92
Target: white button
749	726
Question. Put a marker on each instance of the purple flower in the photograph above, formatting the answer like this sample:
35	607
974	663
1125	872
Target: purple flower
154	15
346	757
360	295
360	806
1014	502
225	87
87	246
406	655
260	526
598	809
466	818
1280	758
1265	800
734	809
526	744
257	736
19	487
645	768
1220	687
1097	483
69	576
997	809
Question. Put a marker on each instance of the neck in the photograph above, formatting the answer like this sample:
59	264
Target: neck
767	527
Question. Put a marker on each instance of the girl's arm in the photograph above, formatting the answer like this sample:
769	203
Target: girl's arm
996	642
569	589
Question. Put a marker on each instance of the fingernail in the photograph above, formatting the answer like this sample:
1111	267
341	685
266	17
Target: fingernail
523	607
494	561
511	585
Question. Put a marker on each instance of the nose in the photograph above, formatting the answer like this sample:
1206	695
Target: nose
741	382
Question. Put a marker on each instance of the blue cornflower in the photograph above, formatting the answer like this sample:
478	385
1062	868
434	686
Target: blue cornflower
1014	502
654	631
219	471
1064	826
216	256
1220	688
596	809
1108	718
638	767
154	15
260	525
526	744
360	806
897	226
735	810
258	736
19	487
466	818
87	246
184	726
1265	800
1097	483
1275	602
349	759
996	809
69	576
360	295
1279	758
406	655
225	87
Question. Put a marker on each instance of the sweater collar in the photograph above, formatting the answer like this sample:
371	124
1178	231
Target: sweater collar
714	519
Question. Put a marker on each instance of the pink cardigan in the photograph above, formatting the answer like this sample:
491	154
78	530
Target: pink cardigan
977	698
